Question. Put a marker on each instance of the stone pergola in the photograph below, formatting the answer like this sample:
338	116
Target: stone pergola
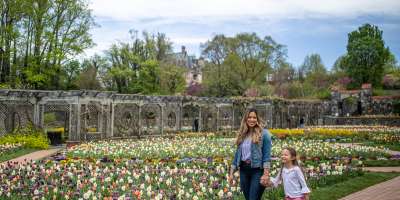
87	115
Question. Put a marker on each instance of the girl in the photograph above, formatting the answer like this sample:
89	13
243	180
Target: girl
292	177
252	156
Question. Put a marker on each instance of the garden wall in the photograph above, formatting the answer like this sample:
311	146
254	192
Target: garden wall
86	115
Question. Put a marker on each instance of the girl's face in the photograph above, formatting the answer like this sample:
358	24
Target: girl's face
286	157
251	119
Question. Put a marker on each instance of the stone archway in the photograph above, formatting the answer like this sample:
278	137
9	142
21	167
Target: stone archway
209	118
190	113
126	120
151	119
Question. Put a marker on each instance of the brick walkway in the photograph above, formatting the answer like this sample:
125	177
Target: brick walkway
37	155
382	169
388	190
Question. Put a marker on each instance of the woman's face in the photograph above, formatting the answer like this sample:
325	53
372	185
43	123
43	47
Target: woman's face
252	119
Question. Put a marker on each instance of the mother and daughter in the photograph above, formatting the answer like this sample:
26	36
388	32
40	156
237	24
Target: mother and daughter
253	160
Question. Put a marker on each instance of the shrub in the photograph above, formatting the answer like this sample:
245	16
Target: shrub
29	137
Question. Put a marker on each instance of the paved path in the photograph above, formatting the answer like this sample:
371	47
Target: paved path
382	169
37	155
388	190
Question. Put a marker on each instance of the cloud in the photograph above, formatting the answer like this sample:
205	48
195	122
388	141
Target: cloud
277	9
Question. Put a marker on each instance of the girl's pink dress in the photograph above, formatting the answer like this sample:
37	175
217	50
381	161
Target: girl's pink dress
297	198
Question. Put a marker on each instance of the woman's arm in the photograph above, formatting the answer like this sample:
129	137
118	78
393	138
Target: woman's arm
234	164
266	156
266	150
234	167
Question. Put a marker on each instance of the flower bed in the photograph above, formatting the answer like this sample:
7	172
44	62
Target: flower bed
165	168
8	148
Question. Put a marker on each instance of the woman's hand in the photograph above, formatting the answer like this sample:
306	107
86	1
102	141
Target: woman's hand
231	178
265	178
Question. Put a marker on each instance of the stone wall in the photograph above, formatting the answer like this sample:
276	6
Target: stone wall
86	115
376	120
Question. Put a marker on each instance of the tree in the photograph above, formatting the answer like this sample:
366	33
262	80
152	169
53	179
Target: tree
238	63
87	79
133	63
312	65
38	37
216	50
149	78
172	79
366	55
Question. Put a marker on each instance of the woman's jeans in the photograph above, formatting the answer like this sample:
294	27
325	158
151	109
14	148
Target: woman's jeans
250	181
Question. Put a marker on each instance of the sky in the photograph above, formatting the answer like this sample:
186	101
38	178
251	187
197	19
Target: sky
303	26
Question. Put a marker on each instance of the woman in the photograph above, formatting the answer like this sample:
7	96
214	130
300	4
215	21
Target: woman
252	156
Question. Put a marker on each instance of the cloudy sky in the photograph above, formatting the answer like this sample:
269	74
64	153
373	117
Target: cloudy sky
304	26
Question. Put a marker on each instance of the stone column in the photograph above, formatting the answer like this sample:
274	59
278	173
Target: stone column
111	121
162	119
218	117
140	119
200	120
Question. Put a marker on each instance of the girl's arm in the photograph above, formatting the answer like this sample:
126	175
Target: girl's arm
304	189
276	181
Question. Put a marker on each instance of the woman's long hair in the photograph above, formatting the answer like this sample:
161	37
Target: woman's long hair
244	129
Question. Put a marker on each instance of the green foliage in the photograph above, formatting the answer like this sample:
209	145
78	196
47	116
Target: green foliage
49	117
350	186
87	79
238	63
324	94
366	55
39	37
30	137
149	78
172	79
135	66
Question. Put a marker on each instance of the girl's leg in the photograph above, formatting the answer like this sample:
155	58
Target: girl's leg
256	189
245	181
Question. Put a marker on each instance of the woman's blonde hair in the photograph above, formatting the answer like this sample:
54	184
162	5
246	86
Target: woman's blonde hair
244	130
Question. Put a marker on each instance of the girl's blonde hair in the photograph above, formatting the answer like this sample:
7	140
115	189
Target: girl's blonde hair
244	129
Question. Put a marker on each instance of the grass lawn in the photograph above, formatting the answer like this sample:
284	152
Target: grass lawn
342	189
345	188
16	154
381	163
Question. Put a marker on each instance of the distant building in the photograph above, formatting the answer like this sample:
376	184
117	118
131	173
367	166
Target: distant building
190	63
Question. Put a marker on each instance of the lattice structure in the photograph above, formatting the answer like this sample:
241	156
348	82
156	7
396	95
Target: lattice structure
56	116
262	112
151	119
91	128
239	111
126	120
209	118
171	120
225	117
15	115
189	114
